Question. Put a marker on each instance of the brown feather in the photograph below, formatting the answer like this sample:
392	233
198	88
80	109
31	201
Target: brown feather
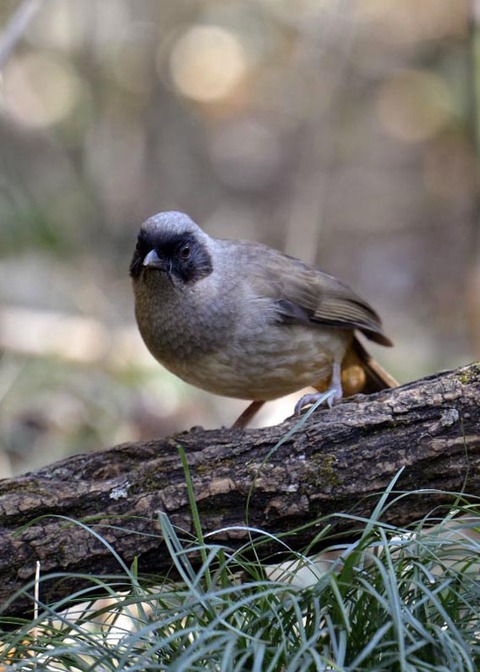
375	376
304	294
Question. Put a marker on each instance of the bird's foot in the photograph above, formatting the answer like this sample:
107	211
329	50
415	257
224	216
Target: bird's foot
317	398
242	421
329	397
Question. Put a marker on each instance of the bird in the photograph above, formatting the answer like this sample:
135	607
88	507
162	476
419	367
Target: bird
240	319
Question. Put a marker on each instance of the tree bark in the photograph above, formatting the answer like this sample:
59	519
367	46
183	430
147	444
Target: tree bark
339	461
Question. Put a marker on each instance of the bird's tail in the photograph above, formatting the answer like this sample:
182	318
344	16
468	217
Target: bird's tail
362	373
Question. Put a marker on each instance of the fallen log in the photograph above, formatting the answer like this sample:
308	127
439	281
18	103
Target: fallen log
340	460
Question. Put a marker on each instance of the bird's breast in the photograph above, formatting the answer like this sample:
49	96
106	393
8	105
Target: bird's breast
180	327
246	354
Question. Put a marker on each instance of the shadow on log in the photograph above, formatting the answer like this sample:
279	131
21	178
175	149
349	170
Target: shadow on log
339	461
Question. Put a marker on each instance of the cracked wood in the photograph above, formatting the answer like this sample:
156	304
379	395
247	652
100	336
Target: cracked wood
341	460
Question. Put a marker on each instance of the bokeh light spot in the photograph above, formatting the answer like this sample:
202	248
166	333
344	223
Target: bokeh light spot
207	63
414	105
39	90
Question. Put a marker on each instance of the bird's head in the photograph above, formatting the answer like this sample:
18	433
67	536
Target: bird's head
172	244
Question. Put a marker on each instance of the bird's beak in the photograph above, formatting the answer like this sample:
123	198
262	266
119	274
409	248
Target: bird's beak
152	260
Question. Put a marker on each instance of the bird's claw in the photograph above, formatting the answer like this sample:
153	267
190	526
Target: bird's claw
317	398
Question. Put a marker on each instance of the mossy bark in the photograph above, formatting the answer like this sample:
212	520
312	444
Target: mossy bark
340	460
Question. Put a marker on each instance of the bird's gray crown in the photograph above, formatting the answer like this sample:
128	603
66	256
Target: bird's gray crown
170	224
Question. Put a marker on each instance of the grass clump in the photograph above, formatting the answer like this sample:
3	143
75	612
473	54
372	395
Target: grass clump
394	600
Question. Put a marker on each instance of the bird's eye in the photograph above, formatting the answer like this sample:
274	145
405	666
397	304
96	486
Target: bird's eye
185	251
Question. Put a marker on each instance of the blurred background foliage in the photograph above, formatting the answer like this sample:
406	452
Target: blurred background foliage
340	131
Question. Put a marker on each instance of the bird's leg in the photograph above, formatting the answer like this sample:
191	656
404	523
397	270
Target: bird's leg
333	394
243	419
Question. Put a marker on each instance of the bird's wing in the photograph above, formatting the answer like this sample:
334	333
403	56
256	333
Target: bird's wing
304	294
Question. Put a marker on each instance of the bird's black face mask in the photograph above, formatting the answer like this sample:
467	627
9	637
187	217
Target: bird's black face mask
182	257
